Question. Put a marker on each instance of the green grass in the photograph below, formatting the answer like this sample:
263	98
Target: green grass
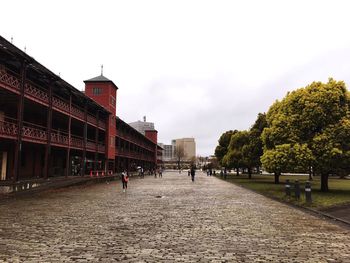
339	193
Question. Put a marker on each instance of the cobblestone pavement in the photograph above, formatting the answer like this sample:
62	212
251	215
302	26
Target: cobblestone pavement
164	220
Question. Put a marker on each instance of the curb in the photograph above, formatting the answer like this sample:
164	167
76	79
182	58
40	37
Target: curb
302	208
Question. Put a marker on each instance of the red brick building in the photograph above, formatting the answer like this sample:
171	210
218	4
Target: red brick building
49	128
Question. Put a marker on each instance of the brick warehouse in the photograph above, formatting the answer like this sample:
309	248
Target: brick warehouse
63	132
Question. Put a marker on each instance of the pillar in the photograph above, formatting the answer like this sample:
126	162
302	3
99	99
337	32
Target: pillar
20	107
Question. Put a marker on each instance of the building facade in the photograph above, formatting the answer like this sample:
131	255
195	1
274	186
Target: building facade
49	128
168	153
188	145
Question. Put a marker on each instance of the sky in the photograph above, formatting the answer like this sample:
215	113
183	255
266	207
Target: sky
194	68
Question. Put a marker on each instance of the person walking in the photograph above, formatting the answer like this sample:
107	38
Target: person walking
142	173
160	172
193	172
125	180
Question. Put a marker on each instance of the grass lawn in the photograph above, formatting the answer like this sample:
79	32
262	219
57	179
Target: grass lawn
339	193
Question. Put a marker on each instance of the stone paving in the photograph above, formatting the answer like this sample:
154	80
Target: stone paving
164	220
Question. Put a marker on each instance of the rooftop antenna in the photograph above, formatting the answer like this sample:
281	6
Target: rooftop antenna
11	40
102	70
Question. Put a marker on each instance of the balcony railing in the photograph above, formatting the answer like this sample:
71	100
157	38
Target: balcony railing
33	132
79	113
91	119
77	142
60	104
38	134
11	81
59	137
36	94
8	128
131	139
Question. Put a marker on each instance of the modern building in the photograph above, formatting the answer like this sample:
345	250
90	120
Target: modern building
49	128
168	153
188	145
142	126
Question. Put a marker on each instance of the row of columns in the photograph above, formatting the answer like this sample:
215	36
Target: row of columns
48	150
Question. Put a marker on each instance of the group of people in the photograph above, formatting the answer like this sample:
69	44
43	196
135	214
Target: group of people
125	175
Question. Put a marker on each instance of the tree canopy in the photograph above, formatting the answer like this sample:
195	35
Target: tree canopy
309	127
222	148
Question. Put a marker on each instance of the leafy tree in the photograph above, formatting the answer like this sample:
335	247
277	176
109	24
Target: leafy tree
253	149
313	118
245	147
286	157
235	154
222	148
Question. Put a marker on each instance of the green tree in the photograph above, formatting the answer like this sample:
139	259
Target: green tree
313	118
245	147
253	149
234	157
286	157
222	148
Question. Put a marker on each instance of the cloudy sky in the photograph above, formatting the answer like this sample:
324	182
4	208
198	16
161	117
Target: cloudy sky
194	68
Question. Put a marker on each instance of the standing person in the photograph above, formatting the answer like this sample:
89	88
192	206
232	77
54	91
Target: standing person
160	172
142	173
193	172
125	180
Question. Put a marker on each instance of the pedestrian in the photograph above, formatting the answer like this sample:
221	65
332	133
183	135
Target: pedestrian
142	173
125	180
193	172
160	172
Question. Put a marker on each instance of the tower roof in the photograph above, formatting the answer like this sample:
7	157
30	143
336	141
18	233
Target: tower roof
100	78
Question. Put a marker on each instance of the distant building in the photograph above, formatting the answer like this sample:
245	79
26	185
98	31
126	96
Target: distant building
168	152
142	126
189	146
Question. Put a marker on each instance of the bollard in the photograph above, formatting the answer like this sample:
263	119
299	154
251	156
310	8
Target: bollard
308	192
287	188
297	190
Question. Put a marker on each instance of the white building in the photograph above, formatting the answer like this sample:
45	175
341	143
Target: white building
142	126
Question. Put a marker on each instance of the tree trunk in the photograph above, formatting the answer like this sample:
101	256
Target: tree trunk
324	182
249	173
277	177
237	171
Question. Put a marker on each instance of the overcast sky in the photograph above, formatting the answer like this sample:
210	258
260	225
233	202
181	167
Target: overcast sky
194	68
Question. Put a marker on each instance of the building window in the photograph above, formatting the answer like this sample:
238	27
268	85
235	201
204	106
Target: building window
96	91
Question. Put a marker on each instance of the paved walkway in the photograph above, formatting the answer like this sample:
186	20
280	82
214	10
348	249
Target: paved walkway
206	221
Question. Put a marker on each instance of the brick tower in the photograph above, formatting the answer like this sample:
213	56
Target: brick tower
104	92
